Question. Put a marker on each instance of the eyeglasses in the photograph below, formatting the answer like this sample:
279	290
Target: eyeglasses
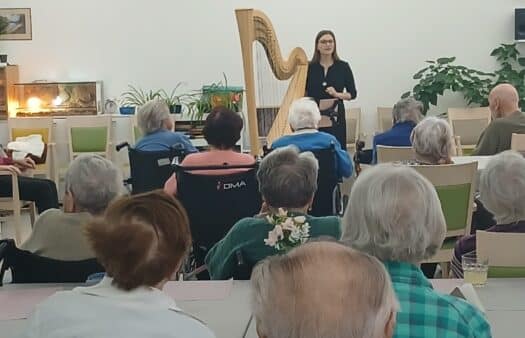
326	42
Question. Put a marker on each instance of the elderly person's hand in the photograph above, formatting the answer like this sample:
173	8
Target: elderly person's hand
25	163
11	168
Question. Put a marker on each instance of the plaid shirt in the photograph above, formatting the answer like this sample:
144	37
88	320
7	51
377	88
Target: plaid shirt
429	314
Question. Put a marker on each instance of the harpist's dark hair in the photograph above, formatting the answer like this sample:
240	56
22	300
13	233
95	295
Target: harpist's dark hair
317	55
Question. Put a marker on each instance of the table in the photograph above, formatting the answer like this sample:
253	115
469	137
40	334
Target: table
503	299
227	318
482	160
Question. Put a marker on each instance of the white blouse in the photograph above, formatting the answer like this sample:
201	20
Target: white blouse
103	310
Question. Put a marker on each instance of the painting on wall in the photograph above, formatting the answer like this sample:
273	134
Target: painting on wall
17	22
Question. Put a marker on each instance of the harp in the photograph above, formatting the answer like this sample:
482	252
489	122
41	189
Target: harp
254	26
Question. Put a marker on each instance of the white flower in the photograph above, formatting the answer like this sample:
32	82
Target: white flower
282	212
288	224
299	219
278	230
272	239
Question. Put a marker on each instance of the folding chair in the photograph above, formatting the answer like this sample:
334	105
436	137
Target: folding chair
214	203
27	267
150	169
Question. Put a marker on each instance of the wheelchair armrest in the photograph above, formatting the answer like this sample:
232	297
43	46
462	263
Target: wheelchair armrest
121	145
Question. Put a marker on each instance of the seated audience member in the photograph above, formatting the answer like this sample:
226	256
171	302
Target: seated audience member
502	191
405	115
506	120
433	141
222	130
394	214
323	289
142	241
156	124
41	191
287	180
91	182
304	120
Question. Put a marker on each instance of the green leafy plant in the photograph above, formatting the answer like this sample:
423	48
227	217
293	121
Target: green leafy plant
442	74
172	98
197	105
137	97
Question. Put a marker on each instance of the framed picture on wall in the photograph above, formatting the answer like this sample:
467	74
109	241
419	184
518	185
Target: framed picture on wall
16	24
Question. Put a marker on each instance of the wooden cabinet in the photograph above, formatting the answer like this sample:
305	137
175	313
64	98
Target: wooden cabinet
8	77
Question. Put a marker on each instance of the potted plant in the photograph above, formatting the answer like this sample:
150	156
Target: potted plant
135	97
220	94
173	100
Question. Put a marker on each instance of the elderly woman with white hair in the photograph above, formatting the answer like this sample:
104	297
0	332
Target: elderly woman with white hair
91	183
287	181
304	117
406	114
433	141
323	289
155	123
502	191
394	214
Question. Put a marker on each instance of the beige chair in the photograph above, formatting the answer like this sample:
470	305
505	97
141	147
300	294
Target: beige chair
504	251
394	154
518	143
13	204
455	186
24	126
457	144
353	127
384	118
468	123
89	134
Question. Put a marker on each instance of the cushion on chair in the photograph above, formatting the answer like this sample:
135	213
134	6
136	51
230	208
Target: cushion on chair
454	203
88	139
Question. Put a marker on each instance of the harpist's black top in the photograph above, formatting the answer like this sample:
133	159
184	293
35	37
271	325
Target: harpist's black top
339	76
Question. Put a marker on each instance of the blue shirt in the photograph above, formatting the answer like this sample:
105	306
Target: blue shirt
397	136
163	140
307	141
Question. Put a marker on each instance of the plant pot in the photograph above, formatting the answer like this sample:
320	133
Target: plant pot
3	58
175	109
127	110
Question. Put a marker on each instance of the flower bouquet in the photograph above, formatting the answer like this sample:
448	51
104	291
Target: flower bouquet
288	232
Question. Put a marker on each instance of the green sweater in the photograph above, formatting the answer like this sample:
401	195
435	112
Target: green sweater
249	234
498	134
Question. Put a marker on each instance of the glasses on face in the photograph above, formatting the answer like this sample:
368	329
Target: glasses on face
326	42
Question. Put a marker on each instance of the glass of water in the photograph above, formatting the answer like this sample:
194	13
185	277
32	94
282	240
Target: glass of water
474	269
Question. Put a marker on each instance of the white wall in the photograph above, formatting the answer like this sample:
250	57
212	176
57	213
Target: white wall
155	43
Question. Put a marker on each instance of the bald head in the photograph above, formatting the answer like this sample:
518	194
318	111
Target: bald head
503	100
323	289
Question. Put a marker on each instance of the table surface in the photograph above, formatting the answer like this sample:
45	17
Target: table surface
503	299
482	160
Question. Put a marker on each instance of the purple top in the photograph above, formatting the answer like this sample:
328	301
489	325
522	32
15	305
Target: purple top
468	243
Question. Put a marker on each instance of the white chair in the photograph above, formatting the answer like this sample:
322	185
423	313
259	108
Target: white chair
394	154
468	123
384	118
505	252
517	143
89	134
353	127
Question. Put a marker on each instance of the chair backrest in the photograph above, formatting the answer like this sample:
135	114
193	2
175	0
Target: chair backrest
455	186
89	134
505	252
27	267
214	203
151	169
136	133
384	118
353	126
393	154
325	199
468	123
518	143
13	204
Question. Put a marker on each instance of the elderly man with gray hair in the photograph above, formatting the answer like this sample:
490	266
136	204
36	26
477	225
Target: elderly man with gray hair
394	214
304	117
502	191
323	290
287	181
155	123
405	115
91	183
433	141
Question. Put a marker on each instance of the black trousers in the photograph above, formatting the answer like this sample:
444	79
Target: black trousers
41	191
338	128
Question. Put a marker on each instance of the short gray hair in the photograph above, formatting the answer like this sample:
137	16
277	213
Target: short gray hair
502	187
394	214
304	113
408	109
151	116
432	140
287	178
93	182
322	289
